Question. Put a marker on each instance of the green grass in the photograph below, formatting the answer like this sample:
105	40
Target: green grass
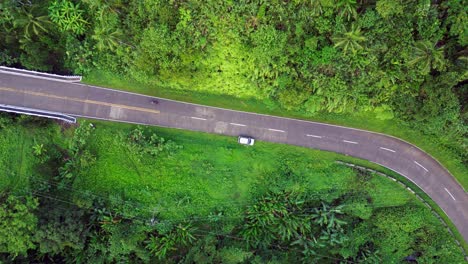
17	161
212	170
208	173
429	144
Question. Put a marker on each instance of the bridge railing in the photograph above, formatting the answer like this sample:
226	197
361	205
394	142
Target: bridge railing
40	75
36	112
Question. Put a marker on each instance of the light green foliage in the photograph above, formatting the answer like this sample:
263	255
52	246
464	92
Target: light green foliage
106	37
20	161
151	144
17	224
384	112
292	98
79	158
400	227
233	255
389	8
68	16
157	51
268	46
350	40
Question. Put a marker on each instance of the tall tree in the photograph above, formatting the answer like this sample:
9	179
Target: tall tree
347	9
427	57
350	40
33	22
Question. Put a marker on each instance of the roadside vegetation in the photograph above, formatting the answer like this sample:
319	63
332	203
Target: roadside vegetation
392	66
112	192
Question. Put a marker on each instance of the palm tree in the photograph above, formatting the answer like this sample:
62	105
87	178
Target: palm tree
350	40
184	234
308	245
181	235
288	226
38	149
106	37
427	56
32	23
333	237
347	8
316	8
260	220
326	216
68	16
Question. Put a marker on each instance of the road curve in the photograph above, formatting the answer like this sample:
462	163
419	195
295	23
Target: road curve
82	100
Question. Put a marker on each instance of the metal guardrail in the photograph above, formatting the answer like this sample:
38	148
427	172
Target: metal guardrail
40	75
36	112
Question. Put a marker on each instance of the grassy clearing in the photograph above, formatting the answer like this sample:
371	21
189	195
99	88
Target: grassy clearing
17	160
429	144
215	173
212	171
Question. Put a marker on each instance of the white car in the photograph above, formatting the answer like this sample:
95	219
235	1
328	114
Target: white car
244	140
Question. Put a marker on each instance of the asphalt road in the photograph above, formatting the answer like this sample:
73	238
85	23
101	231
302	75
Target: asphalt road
82	100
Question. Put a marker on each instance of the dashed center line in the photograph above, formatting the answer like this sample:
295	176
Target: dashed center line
198	118
315	136
86	101
276	130
417	163
387	149
450	194
235	124
350	142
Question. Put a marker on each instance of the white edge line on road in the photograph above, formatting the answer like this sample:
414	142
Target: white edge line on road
350	142
417	163
276	130
235	124
300	120
387	149
450	194
198	118
315	136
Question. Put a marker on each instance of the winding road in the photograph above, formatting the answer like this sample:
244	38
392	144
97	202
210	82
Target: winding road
82	100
